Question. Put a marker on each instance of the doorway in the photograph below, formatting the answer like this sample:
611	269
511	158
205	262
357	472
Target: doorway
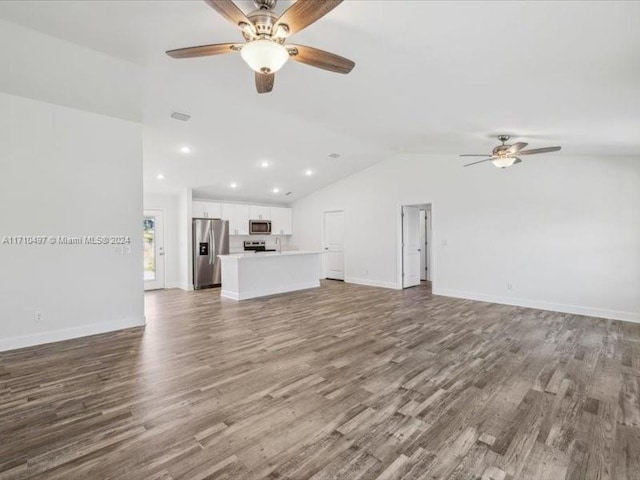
416	245
333	239
153	241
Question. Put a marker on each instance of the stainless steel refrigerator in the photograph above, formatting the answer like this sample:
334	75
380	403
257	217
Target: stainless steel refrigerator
210	239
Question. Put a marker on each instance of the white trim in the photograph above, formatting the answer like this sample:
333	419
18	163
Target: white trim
542	305
372	283
229	294
186	288
23	341
268	291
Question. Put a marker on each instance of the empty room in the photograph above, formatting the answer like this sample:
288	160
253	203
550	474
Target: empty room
319	239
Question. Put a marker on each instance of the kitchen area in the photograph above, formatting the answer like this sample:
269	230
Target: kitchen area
245	250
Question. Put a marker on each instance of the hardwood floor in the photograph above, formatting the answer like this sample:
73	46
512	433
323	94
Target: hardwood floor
343	382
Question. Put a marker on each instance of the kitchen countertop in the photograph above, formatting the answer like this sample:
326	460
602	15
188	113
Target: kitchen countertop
285	253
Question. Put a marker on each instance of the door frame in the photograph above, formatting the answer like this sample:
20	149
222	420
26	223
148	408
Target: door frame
322	238
399	240
407	212
164	252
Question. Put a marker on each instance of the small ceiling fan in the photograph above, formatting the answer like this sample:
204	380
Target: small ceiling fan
504	155
265	33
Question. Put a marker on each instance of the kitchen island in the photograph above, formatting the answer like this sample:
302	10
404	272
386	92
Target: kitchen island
252	275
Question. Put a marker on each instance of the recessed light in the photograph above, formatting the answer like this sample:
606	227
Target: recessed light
233	184
160	176
186	149
276	190
308	173
264	164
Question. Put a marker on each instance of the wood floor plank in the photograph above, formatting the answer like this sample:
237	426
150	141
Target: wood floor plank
343	382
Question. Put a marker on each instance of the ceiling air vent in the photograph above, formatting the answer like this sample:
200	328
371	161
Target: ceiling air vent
181	116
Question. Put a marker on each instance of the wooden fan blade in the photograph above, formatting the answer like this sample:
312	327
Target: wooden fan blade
231	12
474	155
204	50
264	82
479	161
539	150
303	13
320	59
516	147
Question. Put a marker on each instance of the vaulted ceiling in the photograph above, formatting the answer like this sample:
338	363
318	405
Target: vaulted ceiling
432	77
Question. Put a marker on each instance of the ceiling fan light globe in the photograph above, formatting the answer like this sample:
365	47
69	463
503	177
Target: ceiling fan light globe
264	56
503	162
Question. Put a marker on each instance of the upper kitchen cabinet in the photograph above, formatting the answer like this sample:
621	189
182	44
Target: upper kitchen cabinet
257	212
281	221
238	216
202	209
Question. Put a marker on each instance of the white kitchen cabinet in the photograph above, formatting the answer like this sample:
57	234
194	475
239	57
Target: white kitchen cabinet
197	210
257	212
238	216
228	211
203	209
281	221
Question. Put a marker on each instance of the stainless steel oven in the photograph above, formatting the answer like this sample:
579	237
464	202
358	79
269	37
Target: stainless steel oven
259	227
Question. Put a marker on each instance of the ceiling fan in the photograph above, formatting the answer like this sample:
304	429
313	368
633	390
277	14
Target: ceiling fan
265	34
504	155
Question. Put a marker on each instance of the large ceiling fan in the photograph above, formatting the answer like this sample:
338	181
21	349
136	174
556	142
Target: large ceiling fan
265	34
504	155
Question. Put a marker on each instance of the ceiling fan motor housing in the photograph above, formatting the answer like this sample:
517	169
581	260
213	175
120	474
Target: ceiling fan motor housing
501	148
263	21
265	4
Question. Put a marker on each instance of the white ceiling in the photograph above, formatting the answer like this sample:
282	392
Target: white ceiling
431	77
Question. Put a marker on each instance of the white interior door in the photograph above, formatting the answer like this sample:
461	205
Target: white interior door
334	245
153	231
411	247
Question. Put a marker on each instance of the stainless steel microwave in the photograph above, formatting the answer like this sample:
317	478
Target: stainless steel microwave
259	227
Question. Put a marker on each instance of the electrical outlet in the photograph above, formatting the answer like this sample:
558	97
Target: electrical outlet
37	317
509	286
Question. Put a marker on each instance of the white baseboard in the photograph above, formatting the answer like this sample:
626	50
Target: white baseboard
13	343
264	292
542	305
371	283
229	294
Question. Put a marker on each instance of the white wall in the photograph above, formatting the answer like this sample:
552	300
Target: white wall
70	173
169	205
564	231
185	265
